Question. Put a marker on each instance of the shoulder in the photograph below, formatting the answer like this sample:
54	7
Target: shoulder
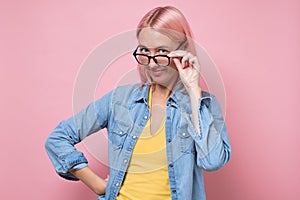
127	88
207	94
125	92
211	101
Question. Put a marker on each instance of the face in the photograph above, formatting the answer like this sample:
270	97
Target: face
151	43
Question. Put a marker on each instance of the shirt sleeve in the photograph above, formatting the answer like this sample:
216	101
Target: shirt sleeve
212	145
80	166
60	145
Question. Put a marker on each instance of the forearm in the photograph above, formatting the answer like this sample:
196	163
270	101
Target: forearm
60	144
195	94
91	179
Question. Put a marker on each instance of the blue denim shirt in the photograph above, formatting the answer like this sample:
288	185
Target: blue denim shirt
124	112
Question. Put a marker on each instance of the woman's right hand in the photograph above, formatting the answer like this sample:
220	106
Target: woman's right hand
91	179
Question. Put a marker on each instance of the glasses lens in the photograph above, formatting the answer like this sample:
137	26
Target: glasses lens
162	60
142	59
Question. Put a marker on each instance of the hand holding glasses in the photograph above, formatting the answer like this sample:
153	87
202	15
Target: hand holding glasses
186	63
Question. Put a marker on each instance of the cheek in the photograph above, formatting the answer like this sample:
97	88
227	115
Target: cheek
172	67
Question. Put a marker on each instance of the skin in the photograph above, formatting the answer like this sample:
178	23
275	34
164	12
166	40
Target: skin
183	67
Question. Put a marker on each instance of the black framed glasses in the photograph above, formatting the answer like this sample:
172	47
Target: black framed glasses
160	60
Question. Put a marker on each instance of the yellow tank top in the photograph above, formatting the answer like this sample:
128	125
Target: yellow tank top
147	174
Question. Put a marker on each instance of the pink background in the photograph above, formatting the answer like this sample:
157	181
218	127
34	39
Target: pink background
255	45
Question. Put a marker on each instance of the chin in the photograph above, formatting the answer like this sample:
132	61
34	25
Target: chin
163	81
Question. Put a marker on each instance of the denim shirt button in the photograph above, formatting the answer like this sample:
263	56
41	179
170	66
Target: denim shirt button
134	137
117	184
145	117
121	132
171	165
183	134
125	161
168	117
173	190
169	140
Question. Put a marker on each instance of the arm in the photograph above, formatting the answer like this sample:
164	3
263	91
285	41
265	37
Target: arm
211	139
212	143
92	180
195	94
212	146
60	144
189	73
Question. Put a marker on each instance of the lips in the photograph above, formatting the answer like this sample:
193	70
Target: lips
158	72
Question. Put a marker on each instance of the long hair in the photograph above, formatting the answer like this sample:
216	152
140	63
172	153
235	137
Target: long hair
171	22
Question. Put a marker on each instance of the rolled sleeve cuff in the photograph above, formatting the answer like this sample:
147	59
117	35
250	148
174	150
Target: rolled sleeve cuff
79	166
74	160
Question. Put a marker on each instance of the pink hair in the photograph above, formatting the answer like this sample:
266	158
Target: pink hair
171	22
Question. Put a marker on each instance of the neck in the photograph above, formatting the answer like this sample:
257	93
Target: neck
163	92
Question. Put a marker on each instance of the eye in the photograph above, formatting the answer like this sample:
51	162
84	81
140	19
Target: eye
163	51
143	50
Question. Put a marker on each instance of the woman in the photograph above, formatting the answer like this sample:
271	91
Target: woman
162	133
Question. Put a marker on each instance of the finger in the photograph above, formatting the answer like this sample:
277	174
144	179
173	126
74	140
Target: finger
186	60
195	63
177	53
187	55
178	64
180	70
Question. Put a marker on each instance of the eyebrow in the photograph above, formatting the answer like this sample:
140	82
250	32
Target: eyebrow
159	47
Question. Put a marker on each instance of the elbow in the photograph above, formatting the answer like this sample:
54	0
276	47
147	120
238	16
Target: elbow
49	145
211	163
213	166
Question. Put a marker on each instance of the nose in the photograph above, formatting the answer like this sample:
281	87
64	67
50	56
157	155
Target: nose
152	63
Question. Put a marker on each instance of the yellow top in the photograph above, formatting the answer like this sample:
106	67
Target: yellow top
147	174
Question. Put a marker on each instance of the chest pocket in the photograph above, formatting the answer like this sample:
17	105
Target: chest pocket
119	132
185	139
121	126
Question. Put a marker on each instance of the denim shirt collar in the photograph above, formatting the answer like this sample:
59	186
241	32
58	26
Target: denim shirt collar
142	94
177	95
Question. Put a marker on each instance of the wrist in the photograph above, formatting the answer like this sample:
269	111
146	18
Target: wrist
100	187
195	91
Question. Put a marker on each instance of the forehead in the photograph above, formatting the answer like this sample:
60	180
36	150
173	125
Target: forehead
151	38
